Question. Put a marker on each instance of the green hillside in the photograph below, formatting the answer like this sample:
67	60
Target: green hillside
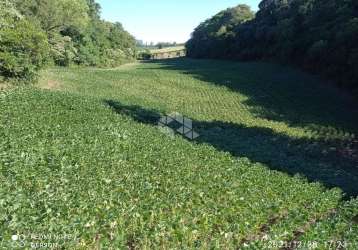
81	154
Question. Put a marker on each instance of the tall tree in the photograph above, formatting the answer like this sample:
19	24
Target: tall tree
318	35
56	15
210	37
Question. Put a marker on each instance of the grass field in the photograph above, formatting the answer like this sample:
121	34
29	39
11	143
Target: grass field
275	161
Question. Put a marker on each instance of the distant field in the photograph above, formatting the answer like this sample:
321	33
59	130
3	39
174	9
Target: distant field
167	49
276	159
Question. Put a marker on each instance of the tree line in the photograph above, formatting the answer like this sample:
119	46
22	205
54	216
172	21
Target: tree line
318	35
35	33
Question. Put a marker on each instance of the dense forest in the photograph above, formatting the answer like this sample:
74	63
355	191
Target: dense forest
35	33
318	35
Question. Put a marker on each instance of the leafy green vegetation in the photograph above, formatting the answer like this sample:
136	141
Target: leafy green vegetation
23	46
213	38
318	35
62	32
88	159
78	35
84	164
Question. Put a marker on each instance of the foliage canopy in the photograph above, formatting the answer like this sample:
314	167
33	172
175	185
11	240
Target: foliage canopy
23	45
319	35
212	37
71	32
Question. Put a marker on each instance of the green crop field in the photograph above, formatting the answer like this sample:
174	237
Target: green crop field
274	167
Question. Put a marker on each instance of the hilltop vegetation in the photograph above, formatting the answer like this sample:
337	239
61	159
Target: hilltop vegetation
35	33
318	35
212	37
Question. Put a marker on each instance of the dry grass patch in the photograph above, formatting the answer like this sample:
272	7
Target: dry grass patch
3	86
48	81
51	84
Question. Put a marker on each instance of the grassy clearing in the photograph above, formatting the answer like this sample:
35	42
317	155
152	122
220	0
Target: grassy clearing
88	159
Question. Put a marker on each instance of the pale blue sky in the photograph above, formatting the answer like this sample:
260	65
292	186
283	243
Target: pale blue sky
164	20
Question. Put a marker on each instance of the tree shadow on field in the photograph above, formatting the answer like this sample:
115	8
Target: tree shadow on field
315	160
274	92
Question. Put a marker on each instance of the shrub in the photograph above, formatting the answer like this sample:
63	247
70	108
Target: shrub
23	50
62	50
